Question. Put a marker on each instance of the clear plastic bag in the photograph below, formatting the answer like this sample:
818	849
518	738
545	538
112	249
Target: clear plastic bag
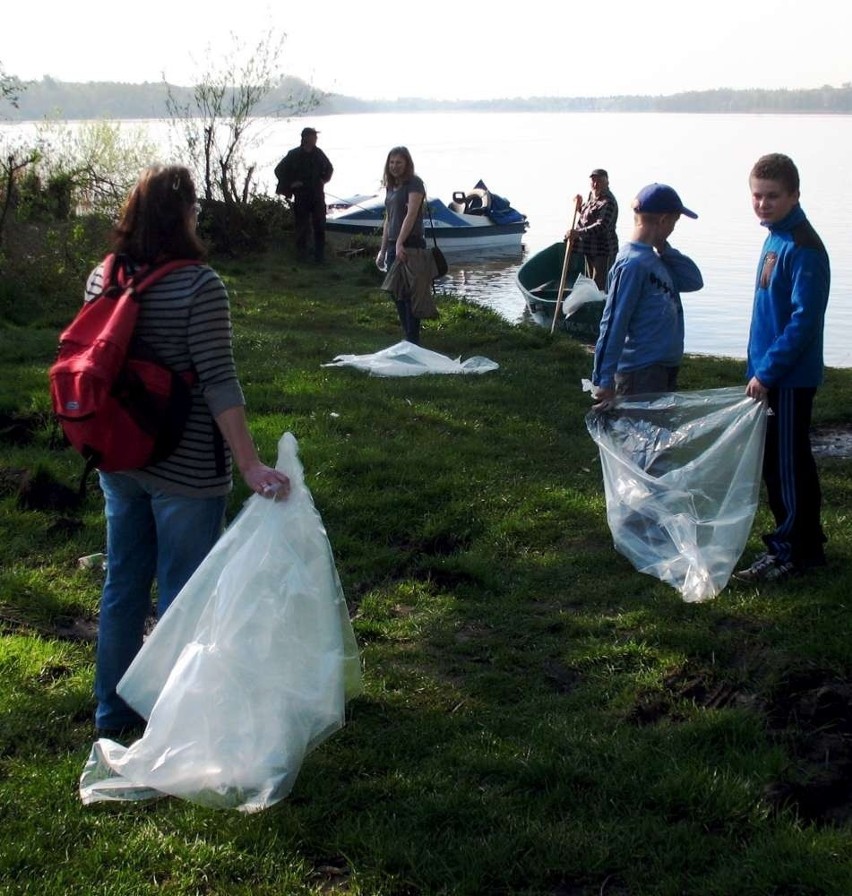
682	481
406	359
583	291
248	670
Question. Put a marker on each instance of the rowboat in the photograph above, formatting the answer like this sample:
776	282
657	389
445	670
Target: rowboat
538	279
477	219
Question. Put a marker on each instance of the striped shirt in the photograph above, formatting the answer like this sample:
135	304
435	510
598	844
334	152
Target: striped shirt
186	319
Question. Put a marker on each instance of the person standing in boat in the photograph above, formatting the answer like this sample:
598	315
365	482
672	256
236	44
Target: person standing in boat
405	194
302	175
594	235
640	346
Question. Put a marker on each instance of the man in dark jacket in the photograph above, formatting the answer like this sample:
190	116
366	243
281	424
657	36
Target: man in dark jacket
302	175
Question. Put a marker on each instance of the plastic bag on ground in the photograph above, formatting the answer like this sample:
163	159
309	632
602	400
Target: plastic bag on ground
407	359
248	670
682	480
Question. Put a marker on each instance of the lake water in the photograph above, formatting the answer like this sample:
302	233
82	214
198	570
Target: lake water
540	161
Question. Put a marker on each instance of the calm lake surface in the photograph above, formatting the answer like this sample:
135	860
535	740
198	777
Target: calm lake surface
540	161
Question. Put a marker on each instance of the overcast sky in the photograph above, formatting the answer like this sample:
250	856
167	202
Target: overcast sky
448	49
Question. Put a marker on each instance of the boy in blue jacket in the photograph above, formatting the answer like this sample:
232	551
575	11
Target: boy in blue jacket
785	366
640	346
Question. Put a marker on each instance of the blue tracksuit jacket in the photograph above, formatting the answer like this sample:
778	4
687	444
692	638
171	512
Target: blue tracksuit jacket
790	297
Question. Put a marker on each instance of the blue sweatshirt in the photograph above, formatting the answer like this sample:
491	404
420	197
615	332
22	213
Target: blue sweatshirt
642	322
790	297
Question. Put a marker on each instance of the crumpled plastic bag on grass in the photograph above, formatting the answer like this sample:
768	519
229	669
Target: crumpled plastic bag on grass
583	291
248	670
407	359
682	479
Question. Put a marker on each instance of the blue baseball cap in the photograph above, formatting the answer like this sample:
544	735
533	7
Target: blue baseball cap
660	199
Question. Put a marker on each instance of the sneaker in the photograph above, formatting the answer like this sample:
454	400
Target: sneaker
767	568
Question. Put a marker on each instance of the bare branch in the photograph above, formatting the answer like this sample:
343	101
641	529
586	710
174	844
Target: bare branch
220	126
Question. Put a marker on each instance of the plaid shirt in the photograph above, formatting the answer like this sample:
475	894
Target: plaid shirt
596	225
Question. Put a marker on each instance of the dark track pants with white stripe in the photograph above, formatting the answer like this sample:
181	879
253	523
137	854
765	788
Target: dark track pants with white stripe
792	483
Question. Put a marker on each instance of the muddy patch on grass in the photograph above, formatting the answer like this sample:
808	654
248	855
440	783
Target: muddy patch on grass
811	713
19	429
832	441
40	492
76	629
699	688
563	679
332	874
63	628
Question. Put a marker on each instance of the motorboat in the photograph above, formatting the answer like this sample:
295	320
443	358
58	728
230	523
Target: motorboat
475	219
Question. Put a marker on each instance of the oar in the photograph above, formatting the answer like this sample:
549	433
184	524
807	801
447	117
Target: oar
569	246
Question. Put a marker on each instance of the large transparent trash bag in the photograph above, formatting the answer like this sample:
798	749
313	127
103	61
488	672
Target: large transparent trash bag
248	670
682	480
406	359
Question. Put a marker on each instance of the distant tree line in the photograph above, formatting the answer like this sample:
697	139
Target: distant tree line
63	181
819	100
49	98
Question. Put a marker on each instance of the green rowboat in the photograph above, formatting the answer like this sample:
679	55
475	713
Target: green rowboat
538	280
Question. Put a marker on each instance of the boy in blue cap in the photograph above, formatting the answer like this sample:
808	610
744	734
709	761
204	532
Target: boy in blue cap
640	346
785	366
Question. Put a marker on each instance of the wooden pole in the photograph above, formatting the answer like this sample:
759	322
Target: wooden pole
569	246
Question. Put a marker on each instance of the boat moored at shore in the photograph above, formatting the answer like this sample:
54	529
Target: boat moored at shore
538	279
477	219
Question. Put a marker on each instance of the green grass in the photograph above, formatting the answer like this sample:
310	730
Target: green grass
538	718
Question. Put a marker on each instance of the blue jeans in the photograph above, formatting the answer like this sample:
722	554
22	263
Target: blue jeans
150	534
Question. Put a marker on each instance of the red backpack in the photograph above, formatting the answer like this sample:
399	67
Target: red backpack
116	402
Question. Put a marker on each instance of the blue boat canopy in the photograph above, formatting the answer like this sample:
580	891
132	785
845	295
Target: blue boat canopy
499	209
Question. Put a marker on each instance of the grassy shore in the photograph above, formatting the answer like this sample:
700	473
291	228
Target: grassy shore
538	718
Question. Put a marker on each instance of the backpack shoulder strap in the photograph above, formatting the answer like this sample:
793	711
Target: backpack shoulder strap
143	278
110	267
113	274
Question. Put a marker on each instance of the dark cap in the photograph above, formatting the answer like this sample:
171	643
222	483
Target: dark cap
660	199
599	172
309	132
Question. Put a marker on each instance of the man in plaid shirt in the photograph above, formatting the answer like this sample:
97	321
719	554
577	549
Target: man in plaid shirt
594	236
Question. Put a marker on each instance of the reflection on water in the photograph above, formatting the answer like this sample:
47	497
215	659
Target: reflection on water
713	327
488	279
503	148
